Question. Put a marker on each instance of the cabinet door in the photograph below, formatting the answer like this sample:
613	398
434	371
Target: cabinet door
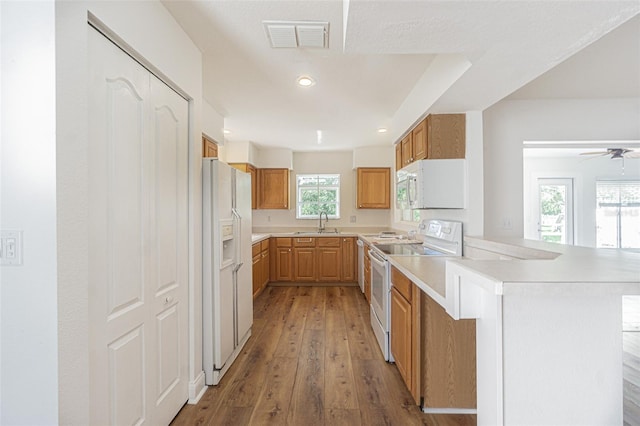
254	186
374	188
367	275
209	148
329	264
273	188
304	264
446	136
401	336
419	140
349	260
283	264
265	269
448	358
399	164
257	273
407	150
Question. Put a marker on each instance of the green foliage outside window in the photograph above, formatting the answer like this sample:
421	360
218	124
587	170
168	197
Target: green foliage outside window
316	194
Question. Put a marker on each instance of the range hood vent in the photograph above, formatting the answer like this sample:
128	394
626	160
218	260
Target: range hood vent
292	34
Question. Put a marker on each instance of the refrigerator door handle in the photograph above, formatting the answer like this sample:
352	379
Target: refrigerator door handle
238	240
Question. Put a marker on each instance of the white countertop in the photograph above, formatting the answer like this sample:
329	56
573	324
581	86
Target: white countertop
548	267
573	264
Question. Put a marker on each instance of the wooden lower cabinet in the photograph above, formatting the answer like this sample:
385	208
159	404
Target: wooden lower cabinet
260	266
448	358
265	266
405	330
349	259
329	264
401	335
435	354
304	264
367	274
281	259
313	259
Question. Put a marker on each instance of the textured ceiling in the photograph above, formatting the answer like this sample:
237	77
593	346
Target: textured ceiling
388	62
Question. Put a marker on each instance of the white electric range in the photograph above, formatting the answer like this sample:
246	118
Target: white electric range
440	238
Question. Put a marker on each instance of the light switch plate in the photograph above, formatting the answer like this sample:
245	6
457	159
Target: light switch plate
11	248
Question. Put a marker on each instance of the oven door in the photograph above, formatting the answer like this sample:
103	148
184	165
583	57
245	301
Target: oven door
380	315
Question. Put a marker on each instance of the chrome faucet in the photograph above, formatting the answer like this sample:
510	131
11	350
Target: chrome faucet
321	225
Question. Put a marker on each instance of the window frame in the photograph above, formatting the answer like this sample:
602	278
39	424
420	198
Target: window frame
318	187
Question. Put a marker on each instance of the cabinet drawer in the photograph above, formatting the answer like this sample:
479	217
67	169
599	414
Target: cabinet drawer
401	283
283	242
255	249
304	242
264	245
329	242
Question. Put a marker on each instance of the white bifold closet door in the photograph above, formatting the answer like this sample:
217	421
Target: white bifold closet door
138	241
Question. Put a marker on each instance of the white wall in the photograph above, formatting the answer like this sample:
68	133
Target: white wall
324	162
28	299
584	172
508	123
150	30
212	123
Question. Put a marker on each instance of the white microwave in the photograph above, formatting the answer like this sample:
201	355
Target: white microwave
432	184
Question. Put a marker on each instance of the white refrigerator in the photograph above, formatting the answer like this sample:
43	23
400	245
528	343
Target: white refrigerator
227	308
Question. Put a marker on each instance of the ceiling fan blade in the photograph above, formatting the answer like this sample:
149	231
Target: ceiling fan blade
632	154
595	153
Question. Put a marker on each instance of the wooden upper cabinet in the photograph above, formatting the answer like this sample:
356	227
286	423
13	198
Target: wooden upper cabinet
399	164
373	188
437	136
209	148
407	150
254	186
273	188
446	136
419	141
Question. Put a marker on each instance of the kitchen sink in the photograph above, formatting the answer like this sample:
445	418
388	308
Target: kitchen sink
334	231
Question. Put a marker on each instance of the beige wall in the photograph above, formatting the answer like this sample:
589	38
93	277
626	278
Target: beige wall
324	162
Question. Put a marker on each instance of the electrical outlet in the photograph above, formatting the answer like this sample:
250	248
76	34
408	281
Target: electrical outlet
11	248
268	218
506	223
352	219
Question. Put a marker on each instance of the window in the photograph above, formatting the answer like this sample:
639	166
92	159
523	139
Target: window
317	194
618	214
555	197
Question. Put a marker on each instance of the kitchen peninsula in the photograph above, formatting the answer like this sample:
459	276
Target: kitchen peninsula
548	325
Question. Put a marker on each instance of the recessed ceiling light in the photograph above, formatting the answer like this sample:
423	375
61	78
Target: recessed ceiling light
382	130
226	131
305	81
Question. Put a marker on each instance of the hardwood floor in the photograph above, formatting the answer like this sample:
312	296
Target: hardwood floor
312	359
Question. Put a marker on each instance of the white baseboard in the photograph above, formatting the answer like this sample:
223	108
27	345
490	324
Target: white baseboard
449	410
197	388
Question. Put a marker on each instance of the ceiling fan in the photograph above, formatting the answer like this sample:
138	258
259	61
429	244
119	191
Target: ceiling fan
615	153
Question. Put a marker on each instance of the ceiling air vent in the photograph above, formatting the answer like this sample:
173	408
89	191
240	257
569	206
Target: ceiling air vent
297	33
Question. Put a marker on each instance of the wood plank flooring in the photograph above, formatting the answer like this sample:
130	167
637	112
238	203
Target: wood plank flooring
312	359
